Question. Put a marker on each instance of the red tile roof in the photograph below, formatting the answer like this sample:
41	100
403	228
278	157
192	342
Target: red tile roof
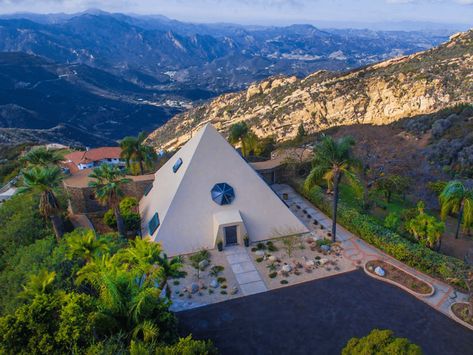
95	154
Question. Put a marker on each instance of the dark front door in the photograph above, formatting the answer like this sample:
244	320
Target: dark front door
231	235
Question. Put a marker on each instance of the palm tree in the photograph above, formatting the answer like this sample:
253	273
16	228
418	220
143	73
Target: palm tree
333	159
126	304
44	181
457	198
42	157
38	284
134	150
85	245
108	183
148	258
238	133
142	255
168	268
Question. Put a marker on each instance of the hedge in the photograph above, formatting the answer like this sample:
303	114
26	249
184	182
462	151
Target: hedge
367	228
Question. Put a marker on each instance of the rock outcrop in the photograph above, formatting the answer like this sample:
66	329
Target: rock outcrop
379	94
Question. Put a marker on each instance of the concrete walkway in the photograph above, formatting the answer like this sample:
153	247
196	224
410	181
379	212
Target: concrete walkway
247	276
360	252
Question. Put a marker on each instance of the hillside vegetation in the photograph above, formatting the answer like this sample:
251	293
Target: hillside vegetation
379	94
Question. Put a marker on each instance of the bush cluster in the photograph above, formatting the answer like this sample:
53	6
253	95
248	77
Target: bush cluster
410	253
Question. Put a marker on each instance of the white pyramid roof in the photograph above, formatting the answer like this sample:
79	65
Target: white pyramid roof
186	211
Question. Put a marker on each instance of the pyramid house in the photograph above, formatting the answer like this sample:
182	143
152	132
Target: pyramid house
207	192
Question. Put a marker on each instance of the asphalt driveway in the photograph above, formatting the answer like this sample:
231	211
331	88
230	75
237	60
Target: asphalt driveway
319	317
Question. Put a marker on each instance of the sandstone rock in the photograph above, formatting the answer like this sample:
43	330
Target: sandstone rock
260	253
214	283
286	268
203	264
194	288
379	271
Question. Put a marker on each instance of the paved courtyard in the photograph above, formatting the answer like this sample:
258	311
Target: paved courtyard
319	317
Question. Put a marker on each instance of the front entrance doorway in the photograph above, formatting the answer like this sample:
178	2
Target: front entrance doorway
231	235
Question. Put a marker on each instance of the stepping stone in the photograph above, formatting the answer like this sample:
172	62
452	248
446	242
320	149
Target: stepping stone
253	288
247	277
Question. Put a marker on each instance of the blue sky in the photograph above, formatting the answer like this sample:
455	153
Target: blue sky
278	12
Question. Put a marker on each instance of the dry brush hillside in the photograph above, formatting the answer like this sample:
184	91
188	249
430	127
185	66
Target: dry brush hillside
378	94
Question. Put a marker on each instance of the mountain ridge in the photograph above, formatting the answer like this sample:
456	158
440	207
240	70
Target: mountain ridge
381	93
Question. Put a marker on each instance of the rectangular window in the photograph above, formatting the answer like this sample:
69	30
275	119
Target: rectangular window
148	189
153	224
177	165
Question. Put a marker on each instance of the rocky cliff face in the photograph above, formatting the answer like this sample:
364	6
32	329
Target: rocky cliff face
379	94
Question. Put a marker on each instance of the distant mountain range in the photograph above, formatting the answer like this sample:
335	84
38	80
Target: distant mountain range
113	74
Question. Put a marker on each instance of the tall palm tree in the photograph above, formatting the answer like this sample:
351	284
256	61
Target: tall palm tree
108	183
238	134
333	159
37	284
85	245
44	181
42	157
134	150
457	198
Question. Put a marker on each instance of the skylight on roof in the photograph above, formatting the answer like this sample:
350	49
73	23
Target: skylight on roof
177	165
222	194
153	224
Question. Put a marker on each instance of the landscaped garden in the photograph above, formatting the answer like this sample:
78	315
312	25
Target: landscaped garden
208	279
296	259
387	271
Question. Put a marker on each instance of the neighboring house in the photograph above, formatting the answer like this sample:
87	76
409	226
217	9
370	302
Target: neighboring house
91	158
208	193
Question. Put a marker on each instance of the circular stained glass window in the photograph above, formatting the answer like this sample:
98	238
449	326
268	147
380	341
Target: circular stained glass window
222	193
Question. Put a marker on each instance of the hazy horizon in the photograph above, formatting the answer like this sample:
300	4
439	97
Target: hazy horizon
377	14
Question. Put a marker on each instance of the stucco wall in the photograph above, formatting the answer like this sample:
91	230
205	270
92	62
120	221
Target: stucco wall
82	199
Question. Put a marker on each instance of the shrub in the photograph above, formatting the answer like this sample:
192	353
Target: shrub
131	217
321	242
381	342
223	287
260	246
272	275
284	282
216	270
223	292
271	247
260	259
412	254
221	280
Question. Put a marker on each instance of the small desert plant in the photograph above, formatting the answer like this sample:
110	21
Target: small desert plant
271	267
284	282
260	259
216	270
272	275
223	292
260	246
221	280
289	243
176	282
271	247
